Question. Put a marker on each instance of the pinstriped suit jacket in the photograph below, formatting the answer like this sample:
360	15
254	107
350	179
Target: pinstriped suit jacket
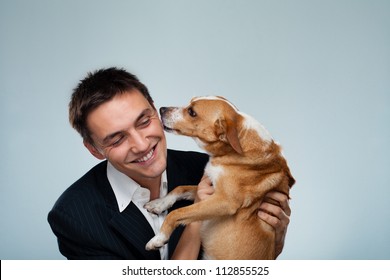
88	224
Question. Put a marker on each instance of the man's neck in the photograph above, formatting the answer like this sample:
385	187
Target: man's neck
152	184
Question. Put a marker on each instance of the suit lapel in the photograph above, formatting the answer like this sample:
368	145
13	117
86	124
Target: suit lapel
133	226
130	223
175	176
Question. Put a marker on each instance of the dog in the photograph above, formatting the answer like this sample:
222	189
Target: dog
245	164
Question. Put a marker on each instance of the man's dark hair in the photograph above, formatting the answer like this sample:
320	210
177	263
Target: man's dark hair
97	88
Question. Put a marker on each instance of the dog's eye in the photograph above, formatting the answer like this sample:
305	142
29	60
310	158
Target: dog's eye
191	112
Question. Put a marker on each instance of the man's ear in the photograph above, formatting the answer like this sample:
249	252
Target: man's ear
227	132
95	152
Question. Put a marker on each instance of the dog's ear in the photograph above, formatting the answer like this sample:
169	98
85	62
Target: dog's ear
227	132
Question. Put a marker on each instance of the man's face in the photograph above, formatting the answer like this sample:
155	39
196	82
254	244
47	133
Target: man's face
127	131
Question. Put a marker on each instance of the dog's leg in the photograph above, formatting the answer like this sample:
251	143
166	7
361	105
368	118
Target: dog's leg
214	206
203	210
159	205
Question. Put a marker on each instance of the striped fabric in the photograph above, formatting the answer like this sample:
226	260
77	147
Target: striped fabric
88	224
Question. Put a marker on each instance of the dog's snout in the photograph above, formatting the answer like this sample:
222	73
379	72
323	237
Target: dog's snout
163	110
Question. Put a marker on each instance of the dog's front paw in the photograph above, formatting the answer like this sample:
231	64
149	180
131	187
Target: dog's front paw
156	206
156	242
159	205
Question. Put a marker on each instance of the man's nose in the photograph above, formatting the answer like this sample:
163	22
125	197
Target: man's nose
139	143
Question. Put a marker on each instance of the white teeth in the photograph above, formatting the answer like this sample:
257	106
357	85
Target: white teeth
147	157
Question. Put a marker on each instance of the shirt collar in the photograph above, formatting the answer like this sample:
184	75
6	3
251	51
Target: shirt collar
127	190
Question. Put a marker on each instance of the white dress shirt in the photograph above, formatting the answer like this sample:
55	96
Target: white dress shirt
127	190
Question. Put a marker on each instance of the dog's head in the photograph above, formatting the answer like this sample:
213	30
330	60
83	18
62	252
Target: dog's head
212	121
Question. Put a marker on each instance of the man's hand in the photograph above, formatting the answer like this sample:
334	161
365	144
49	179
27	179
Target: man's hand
277	216
205	189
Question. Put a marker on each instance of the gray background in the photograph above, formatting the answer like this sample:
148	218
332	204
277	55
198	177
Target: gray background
315	73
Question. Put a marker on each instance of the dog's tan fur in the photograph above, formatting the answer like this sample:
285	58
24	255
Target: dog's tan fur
245	164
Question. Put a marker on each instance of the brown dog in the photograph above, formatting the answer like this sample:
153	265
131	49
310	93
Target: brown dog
245	164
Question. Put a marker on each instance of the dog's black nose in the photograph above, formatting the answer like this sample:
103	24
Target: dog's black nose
163	110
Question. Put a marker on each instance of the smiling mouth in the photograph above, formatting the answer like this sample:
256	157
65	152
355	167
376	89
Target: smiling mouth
147	157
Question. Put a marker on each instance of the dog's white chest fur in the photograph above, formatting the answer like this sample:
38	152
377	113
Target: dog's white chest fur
213	171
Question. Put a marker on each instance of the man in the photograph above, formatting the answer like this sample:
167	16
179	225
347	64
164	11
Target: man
101	216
